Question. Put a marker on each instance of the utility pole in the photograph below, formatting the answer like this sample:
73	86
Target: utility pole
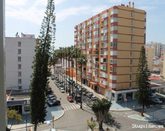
2	69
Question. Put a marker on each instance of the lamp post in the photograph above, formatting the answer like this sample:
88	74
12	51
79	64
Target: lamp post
25	105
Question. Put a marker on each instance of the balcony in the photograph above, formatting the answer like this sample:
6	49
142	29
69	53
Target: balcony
113	77
112	85
113	53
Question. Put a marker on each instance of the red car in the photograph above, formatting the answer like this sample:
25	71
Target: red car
70	98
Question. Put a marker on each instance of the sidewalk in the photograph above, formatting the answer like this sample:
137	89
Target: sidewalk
89	89
122	106
157	115
52	112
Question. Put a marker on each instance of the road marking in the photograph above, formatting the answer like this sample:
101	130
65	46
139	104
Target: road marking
68	107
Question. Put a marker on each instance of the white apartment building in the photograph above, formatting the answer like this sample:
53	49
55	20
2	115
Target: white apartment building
19	59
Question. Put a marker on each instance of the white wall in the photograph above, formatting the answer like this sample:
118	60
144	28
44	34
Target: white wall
27	54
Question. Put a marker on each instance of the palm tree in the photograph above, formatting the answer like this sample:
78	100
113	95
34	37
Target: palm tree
101	109
77	54
54	58
82	61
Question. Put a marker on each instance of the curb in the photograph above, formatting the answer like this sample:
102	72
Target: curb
122	110
60	115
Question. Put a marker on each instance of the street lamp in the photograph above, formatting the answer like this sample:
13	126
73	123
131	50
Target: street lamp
53	121
25	105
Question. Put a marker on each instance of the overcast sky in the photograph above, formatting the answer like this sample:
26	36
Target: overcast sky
26	16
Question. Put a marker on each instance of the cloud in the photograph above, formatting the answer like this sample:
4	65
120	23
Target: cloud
58	2
115	1
14	3
98	9
64	14
32	13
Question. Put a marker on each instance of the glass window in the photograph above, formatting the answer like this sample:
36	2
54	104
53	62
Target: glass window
19	43
114	11
19	74
19	59
19	51
114	20
19	66
19	81
27	108
113	28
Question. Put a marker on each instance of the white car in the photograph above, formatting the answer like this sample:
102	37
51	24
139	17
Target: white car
156	100
62	90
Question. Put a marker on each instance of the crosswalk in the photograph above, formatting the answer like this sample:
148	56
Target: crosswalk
73	106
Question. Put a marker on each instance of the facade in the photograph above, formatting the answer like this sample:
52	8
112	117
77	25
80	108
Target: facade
112	41
19	58
150	54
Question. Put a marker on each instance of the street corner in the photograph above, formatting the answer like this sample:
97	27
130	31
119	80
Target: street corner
138	117
54	113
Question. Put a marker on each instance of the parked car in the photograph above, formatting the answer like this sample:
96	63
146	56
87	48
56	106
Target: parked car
89	95
52	77
53	103
156	100
94	98
78	98
62	90
70	98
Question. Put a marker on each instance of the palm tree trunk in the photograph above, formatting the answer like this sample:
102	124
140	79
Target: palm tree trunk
142	110
101	126
35	127
72	75
81	87
69	75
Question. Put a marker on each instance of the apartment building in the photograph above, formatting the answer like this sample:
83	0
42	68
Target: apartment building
19	57
112	41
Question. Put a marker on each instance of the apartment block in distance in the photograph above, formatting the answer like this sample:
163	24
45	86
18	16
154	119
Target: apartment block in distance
112	41
19	57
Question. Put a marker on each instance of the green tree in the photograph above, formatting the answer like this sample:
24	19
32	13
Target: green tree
13	116
143	83
40	66
101	109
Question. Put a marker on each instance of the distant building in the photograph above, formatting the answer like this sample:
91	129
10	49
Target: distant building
112	41
19	58
150	54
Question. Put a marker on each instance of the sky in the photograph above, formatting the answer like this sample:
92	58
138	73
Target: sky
26	16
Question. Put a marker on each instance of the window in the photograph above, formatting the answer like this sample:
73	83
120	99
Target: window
19	74
114	28
19	81
130	77
130	61
19	43
131	53
19	87
27	108
114	11
113	44
19	58
19	66
104	60
19	51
